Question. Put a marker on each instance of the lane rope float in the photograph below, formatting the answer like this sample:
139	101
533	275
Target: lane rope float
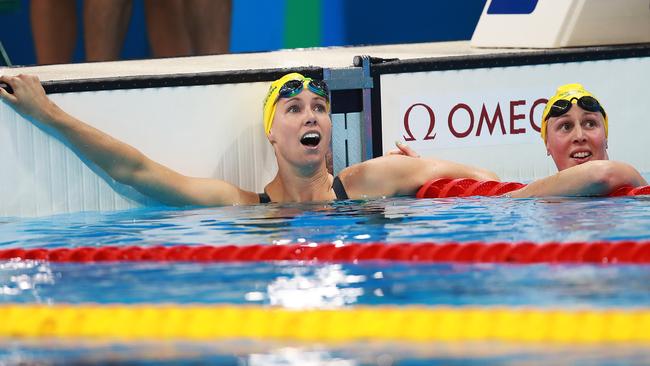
134	322
465	187
602	252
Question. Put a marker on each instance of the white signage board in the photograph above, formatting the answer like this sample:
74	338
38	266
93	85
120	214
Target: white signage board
490	117
562	23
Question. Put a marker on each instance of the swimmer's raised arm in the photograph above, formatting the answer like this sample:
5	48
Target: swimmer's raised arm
392	175
121	161
593	178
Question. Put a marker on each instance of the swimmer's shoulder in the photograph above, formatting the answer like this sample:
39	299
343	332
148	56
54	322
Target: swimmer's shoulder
371	178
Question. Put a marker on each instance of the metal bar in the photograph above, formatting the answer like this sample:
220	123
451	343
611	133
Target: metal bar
3	56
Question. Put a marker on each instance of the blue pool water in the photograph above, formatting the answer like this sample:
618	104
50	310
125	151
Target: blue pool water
302	285
330	285
391	220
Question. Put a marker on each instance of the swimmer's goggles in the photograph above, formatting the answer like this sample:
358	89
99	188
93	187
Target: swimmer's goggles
293	87
561	102
562	106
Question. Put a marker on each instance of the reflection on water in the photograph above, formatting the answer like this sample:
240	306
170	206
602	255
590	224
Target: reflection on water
327	287
389	220
18	278
252	353
289	356
314	285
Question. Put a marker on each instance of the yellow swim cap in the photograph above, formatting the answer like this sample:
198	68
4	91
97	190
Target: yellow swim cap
570	92
274	93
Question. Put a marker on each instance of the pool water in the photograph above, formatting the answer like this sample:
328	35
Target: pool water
327	285
306	285
392	220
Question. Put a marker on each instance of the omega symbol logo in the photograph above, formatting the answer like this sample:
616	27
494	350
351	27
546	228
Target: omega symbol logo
432	123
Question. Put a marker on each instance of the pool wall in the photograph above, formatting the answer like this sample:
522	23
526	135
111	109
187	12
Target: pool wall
202	115
45	176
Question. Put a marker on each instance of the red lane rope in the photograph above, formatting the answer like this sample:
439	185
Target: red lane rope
476	252
465	187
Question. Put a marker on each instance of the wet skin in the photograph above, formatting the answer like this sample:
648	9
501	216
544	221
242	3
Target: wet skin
301	131
576	137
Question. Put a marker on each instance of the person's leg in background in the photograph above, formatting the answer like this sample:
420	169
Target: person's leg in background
54	28
167	29
209	25
105	25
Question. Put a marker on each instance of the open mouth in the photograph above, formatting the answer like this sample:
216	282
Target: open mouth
310	139
581	155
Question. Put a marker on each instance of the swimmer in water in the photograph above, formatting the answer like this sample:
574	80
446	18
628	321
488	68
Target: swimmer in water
574	130
298	126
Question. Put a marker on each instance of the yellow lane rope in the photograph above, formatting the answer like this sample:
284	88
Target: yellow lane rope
137	322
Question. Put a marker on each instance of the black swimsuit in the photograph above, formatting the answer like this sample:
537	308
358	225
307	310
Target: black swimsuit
337	185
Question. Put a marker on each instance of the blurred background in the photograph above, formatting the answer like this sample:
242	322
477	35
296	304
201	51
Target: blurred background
254	25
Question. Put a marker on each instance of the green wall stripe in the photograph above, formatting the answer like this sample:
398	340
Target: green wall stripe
302	23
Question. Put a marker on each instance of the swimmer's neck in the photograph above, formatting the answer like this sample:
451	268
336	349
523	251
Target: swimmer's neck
292	186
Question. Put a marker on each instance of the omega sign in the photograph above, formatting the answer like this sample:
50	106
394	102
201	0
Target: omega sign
505	118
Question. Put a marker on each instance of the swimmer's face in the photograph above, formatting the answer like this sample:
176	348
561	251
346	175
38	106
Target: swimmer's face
302	129
576	137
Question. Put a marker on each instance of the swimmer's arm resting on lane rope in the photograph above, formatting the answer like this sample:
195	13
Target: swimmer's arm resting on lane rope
121	161
397	174
593	178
